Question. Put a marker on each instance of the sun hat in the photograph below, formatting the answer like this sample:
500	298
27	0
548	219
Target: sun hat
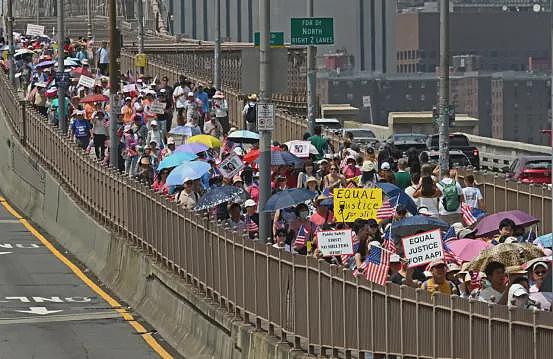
385	166
435	263
250	203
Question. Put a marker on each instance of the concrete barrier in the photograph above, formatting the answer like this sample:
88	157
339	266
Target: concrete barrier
194	326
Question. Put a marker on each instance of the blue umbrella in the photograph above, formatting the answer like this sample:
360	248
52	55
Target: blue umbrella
390	190
45	64
403	199
187	171
243	136
282	158
217	195
545	241
181	130
416	224
176	159
288	198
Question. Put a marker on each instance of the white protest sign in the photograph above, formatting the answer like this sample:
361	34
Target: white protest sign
335	243
423	248
231	166
35	30
86	81
366	101
129	88
299	148
158	108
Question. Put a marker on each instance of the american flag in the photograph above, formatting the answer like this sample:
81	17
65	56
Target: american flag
449	256
301	237
362	268
475	279
379	263
471	214
355	242
251	226
449	234
386	211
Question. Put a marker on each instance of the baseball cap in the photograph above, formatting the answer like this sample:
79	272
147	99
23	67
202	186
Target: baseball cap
368	166
190	94
84	61
170	141
385	166
435	263
394	258
154	123
250	203
518	290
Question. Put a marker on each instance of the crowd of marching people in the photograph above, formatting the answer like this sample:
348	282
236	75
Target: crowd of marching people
177	138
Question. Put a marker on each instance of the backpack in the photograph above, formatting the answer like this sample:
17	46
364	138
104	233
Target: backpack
451	199
251	114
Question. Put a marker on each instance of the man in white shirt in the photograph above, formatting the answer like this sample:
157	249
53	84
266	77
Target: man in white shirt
495	274
473	196
103	59
452	196
180	96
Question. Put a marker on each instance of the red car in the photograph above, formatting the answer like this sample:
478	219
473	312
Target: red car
531	169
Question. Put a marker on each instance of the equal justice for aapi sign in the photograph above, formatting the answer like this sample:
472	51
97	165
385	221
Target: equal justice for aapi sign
423	248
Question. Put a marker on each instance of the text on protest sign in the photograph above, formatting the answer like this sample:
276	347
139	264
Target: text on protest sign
231	166
158	108
299	148
356	203
129	88
423	248
35	30
335	243
86	81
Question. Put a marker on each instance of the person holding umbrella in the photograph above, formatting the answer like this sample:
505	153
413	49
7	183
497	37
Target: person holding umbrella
187	197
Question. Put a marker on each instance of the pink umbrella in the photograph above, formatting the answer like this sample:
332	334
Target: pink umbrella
467	249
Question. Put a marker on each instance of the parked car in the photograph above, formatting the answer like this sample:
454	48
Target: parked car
361	136
456	158
402	142
530	169
460	142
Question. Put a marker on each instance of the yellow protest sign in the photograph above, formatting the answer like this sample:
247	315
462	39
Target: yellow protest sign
141	60
356	203
5	55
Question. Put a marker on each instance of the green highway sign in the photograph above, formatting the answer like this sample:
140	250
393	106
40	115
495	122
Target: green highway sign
277	39
312	31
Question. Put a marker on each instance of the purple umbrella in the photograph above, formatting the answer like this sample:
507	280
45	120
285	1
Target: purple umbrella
45	64
195	147
489	225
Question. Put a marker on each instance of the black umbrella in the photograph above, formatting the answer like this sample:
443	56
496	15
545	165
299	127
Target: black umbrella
416	224
217	195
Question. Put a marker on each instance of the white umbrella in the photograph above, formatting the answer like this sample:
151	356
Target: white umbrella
312	149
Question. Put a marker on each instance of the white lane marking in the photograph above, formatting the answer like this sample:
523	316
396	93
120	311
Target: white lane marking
9	221
47	299
5	252
39	311
61	318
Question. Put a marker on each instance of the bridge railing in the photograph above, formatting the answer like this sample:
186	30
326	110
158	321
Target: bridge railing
307	302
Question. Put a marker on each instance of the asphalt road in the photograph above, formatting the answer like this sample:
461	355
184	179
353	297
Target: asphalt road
47	311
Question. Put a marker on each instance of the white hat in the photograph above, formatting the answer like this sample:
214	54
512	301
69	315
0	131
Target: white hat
128	98
250	203
162	91
518	290
239	151
511	240
79	112
84	61
394	258
218	94
385	166
190	94
170	141
153	123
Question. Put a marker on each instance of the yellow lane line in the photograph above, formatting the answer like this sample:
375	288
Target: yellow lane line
152	342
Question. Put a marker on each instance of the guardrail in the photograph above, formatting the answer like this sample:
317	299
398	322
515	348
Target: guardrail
315	306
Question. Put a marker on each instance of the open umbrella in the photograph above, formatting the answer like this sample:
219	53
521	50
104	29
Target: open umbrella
489	225
389	189
467	249
46	64
181	130
94	98
243	136
545	241
81	71
510	254
210	141
416	224
282	158
403	199
217	195
288	198
312	149
252	155
188	170
195	147
22	52
68	62
176	159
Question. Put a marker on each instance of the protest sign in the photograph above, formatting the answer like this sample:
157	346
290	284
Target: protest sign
299	148
356	203
35	30
158	108
423	248
129	88
231	166
86	81
335	243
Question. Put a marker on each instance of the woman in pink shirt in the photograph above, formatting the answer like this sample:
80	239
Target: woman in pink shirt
350	170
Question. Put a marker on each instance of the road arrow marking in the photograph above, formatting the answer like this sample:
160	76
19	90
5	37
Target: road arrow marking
5	252
39	311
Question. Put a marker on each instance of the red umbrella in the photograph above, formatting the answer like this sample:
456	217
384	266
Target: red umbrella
254	154
94	98
82	71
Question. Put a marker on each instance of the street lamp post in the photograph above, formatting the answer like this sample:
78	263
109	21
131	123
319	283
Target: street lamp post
444	87
89	18
62	121
114	84
217	47
11	45
265	95
311	78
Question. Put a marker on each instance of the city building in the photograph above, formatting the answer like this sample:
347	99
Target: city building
504	41
362	28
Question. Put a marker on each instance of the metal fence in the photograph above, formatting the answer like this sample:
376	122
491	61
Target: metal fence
315	306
